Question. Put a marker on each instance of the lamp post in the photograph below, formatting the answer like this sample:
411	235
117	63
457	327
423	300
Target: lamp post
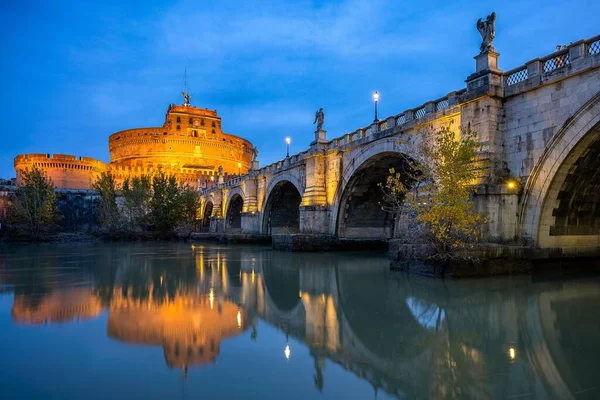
376	98
288	140
239	169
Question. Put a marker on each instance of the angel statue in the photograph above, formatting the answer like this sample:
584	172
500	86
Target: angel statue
319	119
487	29
254	153
186	98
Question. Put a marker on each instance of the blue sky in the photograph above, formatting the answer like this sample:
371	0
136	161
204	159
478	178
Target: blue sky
72	73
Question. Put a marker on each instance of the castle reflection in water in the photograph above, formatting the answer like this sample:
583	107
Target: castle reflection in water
406	336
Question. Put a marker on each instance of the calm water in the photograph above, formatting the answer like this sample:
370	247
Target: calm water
100	321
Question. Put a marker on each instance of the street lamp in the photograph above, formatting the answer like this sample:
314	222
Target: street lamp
239	168
376	98
288	140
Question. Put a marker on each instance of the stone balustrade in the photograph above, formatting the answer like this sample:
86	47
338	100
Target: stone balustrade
559	59
512	82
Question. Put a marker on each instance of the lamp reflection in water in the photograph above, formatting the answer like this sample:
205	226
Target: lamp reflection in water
287	351
512	353
239	319
211	297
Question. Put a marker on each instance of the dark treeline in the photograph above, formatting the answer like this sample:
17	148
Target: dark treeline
144	207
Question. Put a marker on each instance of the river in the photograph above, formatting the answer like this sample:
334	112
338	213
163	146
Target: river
181	321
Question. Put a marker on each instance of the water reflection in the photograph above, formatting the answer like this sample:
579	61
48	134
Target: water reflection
407	336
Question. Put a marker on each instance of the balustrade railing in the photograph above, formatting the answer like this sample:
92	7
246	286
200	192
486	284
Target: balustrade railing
420	113
442	105
557	60
515	76
594	47
552	62
401	120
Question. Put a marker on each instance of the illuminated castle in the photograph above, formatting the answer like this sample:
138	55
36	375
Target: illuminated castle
190	145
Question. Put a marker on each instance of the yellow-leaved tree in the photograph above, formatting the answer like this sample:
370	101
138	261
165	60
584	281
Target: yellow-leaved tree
436	188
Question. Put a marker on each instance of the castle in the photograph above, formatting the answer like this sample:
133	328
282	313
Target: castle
189	145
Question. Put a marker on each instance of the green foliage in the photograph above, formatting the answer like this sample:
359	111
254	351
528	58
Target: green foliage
36	213
137	193
437	187
190	203
166	206
150	205
108	211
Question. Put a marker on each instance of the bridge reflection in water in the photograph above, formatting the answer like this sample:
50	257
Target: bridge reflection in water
407	336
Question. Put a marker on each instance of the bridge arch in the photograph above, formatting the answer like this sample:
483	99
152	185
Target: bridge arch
281	209
560	205
207	211
356	210
233	216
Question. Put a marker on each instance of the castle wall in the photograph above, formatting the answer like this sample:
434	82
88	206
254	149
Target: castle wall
65	171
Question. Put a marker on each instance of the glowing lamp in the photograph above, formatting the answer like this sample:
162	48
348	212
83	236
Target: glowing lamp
288	140
376	99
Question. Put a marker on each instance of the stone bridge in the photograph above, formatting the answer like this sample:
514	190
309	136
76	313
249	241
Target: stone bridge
539	124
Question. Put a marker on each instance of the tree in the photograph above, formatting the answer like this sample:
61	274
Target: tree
108	211
190	203
137	193
36	213
437	187
165	204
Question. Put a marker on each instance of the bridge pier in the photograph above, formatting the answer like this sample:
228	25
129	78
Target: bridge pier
216	225
251	222
314	219
500	204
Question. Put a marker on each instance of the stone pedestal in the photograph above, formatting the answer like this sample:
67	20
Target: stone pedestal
320	137
487	61
254	166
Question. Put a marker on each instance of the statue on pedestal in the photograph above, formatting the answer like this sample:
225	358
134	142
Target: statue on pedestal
319	119
254	153
487	29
